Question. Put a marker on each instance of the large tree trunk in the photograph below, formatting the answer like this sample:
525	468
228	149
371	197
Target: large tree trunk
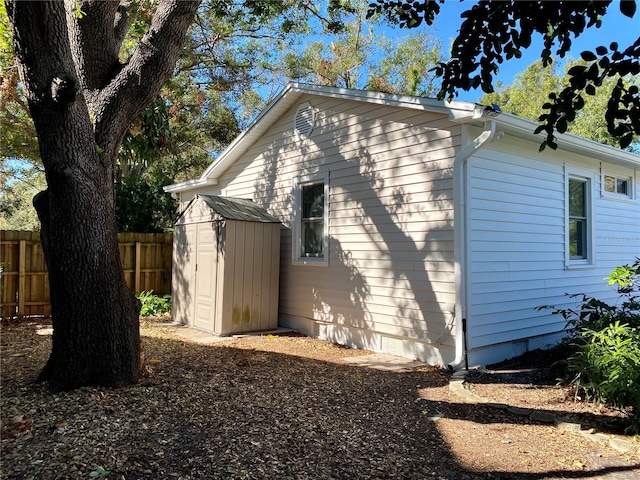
82	101
95	316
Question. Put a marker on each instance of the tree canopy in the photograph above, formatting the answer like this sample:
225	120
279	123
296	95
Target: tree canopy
493	32
532	87
234	61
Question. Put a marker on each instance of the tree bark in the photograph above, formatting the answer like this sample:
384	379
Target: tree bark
81	106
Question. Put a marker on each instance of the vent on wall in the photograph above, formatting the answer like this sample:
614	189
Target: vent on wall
304	120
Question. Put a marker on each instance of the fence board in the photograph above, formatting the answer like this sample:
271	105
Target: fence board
24	283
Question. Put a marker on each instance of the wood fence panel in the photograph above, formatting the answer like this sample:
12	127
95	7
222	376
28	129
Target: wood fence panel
24	283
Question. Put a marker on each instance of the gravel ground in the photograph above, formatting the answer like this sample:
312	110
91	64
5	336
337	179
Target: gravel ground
270	407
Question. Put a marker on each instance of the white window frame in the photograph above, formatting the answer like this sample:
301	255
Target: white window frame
296	230
615	195
588	177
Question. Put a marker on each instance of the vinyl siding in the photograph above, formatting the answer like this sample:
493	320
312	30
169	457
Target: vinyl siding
516	240
390	270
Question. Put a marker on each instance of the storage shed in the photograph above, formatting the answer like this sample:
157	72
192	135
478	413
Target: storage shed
226	256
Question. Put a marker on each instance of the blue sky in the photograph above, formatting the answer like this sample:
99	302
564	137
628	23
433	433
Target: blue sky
615	27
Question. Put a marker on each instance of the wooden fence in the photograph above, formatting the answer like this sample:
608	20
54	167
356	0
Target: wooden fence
24	286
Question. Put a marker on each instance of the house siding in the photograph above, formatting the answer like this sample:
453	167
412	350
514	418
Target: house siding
389	284
516	242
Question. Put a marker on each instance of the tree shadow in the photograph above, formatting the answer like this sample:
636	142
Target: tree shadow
390	230
239	411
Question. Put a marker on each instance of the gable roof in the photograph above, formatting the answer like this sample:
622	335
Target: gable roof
458	112
218	208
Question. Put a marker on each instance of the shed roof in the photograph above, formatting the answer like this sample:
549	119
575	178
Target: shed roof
227	208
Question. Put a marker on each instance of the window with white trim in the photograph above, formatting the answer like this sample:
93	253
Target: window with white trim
310	220
617	186
579	221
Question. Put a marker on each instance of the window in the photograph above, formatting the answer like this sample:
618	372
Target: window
579	221
616	186
310	220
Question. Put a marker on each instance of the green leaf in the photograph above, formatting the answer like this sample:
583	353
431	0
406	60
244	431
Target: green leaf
628	8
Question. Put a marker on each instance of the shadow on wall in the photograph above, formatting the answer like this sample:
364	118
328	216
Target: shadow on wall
380	281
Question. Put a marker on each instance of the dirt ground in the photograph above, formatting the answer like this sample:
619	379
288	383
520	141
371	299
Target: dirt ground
284	407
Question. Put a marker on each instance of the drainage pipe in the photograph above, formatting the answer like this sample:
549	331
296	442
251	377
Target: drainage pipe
461	249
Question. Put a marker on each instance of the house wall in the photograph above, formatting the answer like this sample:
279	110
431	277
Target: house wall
389	283
516	245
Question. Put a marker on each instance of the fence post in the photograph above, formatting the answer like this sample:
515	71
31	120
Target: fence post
137	267
22	277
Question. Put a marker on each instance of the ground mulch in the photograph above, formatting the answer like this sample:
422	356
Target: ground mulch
270	407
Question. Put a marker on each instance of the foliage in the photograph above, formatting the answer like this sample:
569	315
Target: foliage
606	341
153	304
19	183
493	32
236	57
142	205
531	88
360	56
16	127
606	368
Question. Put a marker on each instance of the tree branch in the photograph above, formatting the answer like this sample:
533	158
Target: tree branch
93	43
141	79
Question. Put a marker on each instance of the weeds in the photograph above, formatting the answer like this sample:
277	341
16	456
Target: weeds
153	304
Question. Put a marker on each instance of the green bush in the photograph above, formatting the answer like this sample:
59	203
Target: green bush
607	368
153	304
605	344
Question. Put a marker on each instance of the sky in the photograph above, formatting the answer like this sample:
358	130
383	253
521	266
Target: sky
615	27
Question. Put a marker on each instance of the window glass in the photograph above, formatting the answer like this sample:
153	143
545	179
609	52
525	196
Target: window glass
578	228
313	200
609	184
621	186
577	239
577	202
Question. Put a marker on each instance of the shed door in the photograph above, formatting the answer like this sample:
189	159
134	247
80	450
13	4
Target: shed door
206	276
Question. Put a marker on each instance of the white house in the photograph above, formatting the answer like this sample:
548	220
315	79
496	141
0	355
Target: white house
427	229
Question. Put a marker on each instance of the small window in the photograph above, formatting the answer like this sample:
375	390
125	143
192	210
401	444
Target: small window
310	220
579	226
616	186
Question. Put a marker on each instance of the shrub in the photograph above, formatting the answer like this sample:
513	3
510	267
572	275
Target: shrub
153	304
605	341
606	368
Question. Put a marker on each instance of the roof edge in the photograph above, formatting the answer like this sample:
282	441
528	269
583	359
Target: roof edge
190	185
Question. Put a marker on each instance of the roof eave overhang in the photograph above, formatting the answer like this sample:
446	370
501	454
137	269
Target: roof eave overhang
523	128
190	185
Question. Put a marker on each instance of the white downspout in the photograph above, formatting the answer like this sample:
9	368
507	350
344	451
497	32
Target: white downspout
460	237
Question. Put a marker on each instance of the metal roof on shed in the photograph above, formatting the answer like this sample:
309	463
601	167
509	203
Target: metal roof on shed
229	208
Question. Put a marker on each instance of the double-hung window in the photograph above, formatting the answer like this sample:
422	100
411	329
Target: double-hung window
310	220
579	227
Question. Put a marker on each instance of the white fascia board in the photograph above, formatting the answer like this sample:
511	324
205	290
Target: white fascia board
462	109
190	185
